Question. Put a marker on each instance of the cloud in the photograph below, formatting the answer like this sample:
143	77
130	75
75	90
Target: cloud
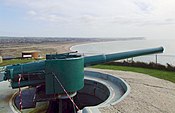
144	7
32	13
123	12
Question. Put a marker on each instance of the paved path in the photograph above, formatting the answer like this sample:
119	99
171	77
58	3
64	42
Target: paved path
6	93
148	94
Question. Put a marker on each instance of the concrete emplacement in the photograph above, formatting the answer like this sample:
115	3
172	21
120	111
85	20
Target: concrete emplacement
100	90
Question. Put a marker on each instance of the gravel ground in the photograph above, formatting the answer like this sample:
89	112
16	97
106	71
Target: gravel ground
148	94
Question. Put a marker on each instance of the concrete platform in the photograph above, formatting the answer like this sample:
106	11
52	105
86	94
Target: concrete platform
100	90
148	94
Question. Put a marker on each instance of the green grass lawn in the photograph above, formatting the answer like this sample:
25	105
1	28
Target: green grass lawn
166	75
15	61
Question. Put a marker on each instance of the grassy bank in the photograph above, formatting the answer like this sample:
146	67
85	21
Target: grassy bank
15	61
166	75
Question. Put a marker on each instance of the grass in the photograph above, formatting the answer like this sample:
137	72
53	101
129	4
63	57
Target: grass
166	75
15	61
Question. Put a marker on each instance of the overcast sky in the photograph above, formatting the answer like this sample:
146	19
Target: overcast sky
88	18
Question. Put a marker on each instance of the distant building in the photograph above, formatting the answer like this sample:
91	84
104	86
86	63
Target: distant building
8	57
1	59
30	54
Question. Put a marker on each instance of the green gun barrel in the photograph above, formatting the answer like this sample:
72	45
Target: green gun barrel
68	68
98	59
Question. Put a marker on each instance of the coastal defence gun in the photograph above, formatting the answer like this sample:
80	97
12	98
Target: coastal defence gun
60	76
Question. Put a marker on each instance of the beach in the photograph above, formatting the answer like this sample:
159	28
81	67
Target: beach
13	47
44	49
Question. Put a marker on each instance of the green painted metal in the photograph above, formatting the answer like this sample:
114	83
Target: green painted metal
27	83
69	71
63	55
14	70
94	60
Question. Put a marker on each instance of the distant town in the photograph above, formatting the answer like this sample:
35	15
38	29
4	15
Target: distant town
38	40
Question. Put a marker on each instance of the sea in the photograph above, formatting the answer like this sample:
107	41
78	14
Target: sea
168	56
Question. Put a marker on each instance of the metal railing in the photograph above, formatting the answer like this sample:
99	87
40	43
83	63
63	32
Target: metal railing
157	59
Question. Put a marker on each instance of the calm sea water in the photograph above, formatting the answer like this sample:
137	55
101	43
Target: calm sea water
119	46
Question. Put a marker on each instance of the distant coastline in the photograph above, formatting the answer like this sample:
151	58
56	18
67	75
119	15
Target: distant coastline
63	39
13	46
109	40
168	56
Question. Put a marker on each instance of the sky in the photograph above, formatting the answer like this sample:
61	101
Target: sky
88	18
